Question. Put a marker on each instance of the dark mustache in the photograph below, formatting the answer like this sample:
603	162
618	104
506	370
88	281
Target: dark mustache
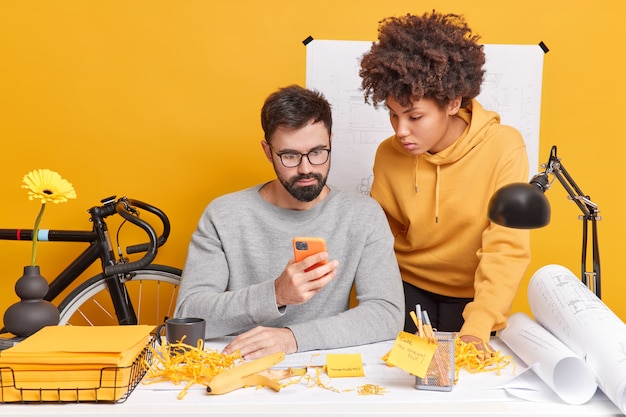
306	177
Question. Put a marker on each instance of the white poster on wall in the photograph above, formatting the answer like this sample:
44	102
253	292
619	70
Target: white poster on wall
511	87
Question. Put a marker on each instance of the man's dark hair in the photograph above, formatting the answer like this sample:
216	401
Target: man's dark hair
434	56
294	107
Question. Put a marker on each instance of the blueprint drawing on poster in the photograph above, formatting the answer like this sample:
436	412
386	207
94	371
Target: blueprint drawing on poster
511	87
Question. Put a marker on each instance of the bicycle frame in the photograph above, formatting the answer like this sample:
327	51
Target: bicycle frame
100	247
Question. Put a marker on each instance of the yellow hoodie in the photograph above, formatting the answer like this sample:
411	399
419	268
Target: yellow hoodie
436	205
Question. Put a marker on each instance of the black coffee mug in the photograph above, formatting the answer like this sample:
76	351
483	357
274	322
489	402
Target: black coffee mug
187	330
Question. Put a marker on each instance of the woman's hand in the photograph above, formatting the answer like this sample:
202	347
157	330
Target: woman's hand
484	349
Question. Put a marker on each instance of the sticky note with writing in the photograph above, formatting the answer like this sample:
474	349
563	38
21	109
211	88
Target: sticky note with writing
344	364
411	353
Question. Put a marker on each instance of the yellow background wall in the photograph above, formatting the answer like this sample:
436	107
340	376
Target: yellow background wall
159	101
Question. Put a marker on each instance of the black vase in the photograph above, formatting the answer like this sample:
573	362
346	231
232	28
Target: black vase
33	312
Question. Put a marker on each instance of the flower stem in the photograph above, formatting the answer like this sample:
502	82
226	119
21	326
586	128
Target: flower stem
35	233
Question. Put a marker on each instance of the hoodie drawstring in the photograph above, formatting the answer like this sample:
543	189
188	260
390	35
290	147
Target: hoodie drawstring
417	158
437	195
436	187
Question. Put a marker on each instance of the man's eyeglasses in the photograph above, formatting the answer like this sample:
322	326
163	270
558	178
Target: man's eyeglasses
294	159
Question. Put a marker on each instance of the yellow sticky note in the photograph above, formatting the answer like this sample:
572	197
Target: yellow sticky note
344	365
412	354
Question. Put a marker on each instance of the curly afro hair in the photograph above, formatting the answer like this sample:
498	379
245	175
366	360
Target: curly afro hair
435	56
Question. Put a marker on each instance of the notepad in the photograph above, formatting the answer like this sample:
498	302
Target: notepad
344	365
411	353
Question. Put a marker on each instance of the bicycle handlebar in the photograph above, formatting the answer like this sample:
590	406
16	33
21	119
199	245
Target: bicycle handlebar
143	247
126	208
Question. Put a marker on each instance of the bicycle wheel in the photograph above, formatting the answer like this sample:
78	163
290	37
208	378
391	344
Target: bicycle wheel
153	292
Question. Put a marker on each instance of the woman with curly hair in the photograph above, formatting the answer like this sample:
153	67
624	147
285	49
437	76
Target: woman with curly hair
435	176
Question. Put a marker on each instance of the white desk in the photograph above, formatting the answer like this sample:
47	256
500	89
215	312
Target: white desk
475	394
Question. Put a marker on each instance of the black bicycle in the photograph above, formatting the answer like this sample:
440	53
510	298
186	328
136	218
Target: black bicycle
125	292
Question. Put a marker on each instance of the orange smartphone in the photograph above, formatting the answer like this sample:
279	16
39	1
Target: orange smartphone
307	246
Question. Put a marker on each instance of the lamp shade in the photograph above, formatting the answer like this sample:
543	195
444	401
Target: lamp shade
520	206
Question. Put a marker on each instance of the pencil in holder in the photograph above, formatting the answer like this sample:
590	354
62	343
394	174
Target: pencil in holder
440	374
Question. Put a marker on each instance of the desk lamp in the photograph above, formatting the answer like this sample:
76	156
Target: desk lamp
524	206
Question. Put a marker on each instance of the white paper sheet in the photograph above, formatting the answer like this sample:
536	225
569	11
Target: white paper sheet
566	308
511	86
556	364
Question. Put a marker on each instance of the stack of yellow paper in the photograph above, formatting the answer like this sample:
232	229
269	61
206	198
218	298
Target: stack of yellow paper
72	363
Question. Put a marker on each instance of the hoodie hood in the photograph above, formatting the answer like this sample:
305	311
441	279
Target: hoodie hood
478	121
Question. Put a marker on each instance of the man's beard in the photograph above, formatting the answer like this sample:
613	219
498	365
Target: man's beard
304	194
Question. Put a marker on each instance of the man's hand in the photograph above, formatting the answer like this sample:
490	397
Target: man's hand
483	348
262	341
295	286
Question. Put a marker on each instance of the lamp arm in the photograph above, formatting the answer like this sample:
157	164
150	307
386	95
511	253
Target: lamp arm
584	203
590	215
595	285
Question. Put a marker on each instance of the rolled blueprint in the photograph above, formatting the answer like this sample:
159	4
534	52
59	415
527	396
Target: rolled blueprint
565	307
557	365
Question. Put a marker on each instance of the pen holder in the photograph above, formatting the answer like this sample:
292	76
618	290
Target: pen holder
440	374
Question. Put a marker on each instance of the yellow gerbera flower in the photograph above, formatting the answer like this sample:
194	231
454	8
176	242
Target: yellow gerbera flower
48	186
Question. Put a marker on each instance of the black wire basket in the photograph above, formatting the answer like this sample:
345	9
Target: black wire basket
114	384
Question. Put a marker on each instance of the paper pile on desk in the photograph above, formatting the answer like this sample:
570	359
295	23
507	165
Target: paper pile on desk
567	312
72	363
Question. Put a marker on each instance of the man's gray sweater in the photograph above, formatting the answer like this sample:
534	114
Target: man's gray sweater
243	243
